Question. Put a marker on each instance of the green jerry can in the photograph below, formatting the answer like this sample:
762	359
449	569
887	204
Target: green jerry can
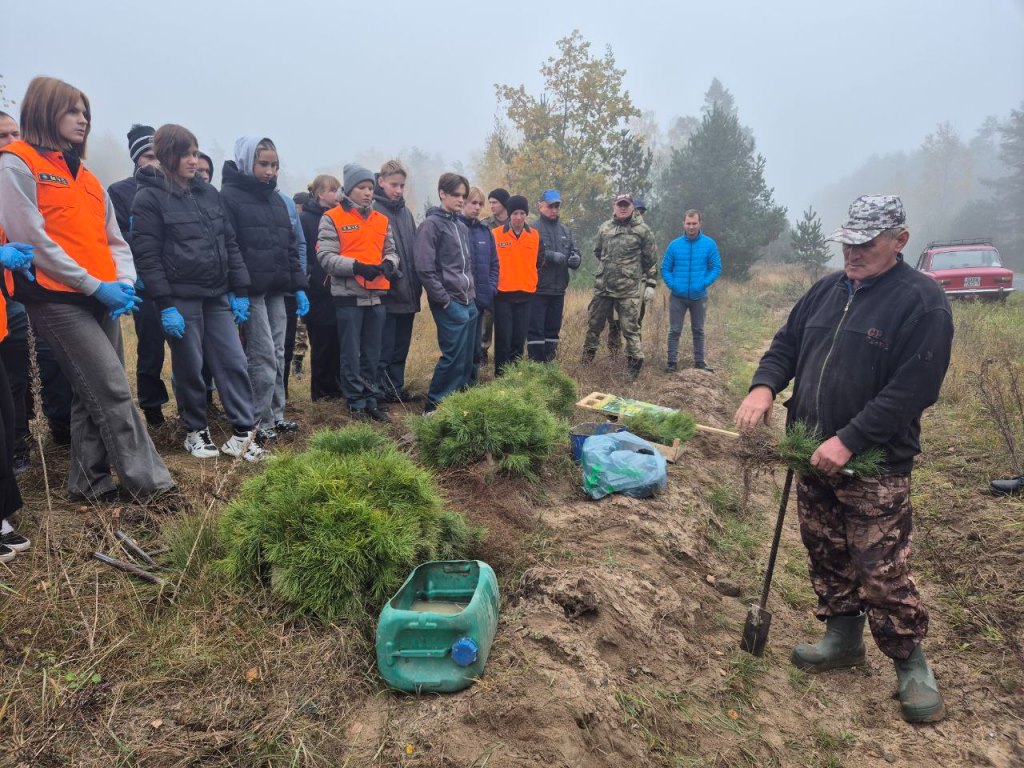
435	634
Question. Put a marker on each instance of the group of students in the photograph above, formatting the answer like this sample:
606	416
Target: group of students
222	275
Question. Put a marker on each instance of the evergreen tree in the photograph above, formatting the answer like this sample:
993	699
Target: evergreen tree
810	249
1010	188
719	173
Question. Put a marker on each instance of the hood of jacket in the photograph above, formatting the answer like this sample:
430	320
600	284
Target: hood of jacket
387	202
245	153
232	177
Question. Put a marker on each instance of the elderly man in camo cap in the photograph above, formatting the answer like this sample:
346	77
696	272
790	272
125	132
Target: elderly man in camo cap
868	348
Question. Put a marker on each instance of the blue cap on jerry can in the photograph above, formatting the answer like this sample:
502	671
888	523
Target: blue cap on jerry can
464	651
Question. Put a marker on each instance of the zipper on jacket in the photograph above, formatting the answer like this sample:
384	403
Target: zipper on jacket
831	349
462	250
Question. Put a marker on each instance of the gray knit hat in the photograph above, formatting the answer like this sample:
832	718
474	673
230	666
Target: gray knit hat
353	175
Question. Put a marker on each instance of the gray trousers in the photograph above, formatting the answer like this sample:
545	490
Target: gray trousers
210	334
677	308
105	426
264	349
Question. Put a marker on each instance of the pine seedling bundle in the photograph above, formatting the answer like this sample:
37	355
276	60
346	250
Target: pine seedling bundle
796	447
663	427
335	530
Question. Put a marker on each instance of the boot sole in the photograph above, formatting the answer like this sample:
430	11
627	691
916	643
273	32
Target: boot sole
927	717
826	666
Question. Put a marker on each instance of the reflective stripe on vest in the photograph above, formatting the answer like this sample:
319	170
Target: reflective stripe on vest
517	259
363	240
74	213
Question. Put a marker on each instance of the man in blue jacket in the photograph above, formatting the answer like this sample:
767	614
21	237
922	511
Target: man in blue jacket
691	264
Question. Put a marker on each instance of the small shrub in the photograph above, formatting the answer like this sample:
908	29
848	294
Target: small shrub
800	442
663	427
489	422
336	529
541	382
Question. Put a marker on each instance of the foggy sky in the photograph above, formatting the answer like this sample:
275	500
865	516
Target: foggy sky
823	85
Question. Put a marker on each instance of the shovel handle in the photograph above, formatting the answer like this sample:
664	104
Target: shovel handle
775	541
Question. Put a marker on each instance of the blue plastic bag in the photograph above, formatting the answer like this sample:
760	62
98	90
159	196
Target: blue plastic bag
622	463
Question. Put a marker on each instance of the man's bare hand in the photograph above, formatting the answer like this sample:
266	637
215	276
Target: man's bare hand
831	456
755	408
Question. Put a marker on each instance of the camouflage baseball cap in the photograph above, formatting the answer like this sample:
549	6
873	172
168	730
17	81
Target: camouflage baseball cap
869	216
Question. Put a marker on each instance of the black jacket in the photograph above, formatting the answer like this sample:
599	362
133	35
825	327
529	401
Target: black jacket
555	237
866	362
404	295
121	194
443	259
321	309
182	241
264	231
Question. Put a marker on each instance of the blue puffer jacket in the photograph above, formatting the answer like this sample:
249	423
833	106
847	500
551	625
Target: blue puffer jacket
485	261
690	266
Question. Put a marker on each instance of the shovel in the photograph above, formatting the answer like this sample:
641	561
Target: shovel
759	620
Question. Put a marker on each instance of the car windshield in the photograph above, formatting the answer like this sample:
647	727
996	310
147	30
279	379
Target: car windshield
966	259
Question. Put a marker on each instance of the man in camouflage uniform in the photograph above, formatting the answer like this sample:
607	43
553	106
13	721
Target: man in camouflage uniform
626	260
868	348
614	326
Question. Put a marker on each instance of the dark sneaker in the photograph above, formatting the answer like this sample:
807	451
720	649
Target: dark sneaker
22	463
15	541
671	368
7	554
358	414
378	415
264	435
429	408
285	426
154	417
702	366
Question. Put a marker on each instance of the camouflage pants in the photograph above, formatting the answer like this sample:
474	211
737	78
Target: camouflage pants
615	327
301	340
858	533
629	320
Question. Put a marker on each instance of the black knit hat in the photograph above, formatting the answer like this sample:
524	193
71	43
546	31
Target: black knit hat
517	203
140	140
501	195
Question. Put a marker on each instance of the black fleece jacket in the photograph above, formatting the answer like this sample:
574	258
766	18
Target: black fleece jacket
403	297
867	362
264	231
182	242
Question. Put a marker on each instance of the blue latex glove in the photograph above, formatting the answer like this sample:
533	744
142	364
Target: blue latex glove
239	308
119	298
173	322
16	255
301	304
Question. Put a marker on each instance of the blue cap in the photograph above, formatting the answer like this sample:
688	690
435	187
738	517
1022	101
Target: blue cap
551	196
465	651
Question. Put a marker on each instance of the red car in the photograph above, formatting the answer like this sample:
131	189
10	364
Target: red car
967	269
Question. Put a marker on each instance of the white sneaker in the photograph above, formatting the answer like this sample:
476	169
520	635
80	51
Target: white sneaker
244	446
200	445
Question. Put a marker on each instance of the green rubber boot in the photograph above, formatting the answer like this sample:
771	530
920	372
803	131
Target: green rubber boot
842	646
920	699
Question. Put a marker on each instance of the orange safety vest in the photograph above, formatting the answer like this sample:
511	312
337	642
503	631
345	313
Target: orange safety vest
363	240
10	289
517	258
74	213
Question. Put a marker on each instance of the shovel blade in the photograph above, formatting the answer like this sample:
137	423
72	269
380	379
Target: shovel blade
755	630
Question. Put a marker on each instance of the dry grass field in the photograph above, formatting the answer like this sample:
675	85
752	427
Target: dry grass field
618	641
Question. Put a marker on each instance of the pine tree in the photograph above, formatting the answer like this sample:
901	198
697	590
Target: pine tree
810	250
719	173
1010	188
